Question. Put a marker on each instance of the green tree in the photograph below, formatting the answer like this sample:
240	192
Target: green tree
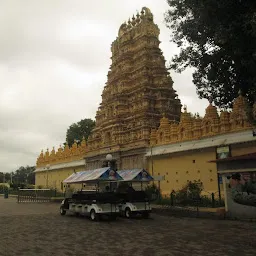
1	177
217	38
24	175
79	130
5	177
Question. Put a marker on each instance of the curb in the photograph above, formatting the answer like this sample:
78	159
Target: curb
191	212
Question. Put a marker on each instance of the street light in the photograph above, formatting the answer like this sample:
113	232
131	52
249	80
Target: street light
109	158
47	167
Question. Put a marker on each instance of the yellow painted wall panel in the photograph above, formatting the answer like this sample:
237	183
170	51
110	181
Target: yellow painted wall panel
180	168
55	177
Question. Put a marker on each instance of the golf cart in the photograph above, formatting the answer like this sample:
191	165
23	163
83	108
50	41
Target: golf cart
133	201
92	203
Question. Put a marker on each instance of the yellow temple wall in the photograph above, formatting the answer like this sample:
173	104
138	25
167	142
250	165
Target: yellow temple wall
55	177
179	168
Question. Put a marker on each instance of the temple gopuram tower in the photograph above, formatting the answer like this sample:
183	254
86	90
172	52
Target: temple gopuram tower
138	92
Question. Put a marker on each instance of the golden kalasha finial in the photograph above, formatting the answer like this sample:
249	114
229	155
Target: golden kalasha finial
210	100
185	108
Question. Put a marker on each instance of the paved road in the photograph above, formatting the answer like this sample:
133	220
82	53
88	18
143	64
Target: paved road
38	230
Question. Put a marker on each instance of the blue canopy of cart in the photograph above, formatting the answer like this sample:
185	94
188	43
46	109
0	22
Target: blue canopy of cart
101	174
135	175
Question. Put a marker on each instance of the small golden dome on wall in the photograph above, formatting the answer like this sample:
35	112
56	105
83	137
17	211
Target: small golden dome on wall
211	111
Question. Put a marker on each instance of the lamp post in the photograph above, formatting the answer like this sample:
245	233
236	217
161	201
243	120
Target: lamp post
47	167
109	158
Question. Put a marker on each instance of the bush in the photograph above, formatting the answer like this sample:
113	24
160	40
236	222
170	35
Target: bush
153	192
15	186
190	193
3	188
245	199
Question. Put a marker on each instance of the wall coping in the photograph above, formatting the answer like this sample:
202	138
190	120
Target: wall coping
61	165
214	141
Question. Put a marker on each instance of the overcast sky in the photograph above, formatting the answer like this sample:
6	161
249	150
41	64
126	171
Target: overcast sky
54	58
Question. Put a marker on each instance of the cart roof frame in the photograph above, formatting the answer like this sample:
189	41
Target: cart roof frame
105	174
135	175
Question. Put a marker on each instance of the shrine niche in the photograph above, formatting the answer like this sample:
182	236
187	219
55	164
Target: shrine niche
185	126
238	117
210	122
224	122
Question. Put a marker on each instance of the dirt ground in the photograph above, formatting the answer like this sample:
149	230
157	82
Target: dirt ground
39	230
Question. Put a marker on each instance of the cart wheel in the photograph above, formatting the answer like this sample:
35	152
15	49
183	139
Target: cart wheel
93	215
127	213
145	215
62	211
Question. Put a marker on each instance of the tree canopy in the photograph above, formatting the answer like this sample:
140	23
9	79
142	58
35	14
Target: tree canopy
79	130
23	175
218	39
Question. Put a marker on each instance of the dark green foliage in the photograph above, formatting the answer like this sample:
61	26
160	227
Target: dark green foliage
19	178
153	192
191	192
190	195
3	188
79	130
24	175
245	199
218	39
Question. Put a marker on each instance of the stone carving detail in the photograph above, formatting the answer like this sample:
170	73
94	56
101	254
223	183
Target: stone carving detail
193	127
238	117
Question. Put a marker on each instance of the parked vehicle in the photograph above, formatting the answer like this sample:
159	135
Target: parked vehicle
133	202
93	203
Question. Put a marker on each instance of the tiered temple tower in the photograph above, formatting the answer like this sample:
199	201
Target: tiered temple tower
138	92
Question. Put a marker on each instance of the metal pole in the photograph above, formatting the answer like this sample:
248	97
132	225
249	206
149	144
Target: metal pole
152	164
47	178
219	186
